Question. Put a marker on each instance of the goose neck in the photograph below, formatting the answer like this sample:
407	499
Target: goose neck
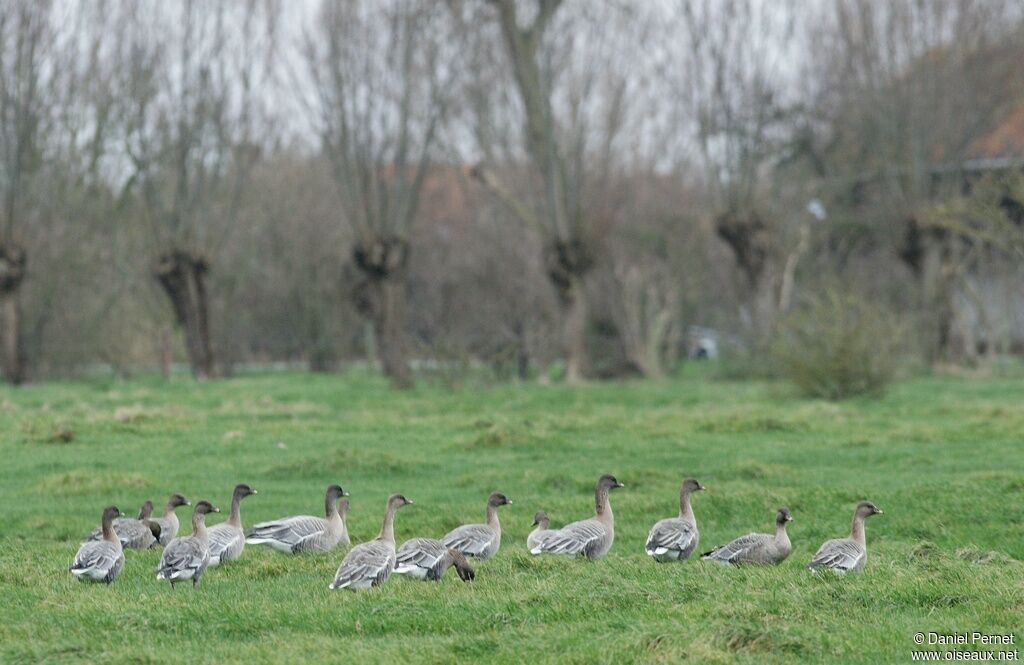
235	519
492	517
387	530
199	526
108	530
685	509
857	531
603	506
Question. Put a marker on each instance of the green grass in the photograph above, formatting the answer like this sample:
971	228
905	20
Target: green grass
943	457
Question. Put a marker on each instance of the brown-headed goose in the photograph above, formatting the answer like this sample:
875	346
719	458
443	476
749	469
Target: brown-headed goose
135	534
429	559
590	538
757	548
169	524
101	560
480	540
305	533
187	558
844	554
543	527
675	538
371	564
227	539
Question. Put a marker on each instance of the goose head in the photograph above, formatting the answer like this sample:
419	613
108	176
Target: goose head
498	499
204	507
867	509
146	511
608	482
177	500
541	519
335	492
242	490
691	485
397	501
783	516
110	512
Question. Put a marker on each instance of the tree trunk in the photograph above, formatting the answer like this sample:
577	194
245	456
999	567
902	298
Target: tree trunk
577	361
12	272
183	278
380	298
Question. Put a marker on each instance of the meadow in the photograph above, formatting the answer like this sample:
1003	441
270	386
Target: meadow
943	456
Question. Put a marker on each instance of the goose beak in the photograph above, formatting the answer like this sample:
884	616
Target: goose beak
620	484
508	502
880	512
255	492
344	493
216	510
188	503
410	501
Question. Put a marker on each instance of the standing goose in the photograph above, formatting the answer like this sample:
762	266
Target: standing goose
591	538
227	539
169	522
480	540
305	533
675	538
759	548
100	560
543	524
186	558
136	534
429	559
844	554
370	564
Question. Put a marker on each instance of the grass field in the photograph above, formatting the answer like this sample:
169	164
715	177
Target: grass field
943	457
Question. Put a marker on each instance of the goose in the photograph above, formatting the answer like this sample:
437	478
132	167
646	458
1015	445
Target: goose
675	538
543	524
480	540
760	548
845	554
169	522
591	538
429	559
370	564
187	558
305	533
135	534
100	560
227	539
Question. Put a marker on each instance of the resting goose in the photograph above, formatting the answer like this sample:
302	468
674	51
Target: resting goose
305	533
429	559
169	522
187	558
135	534
845	554
227	539
590	538
370	564
541	521
100	560
675	538
480	540
758	548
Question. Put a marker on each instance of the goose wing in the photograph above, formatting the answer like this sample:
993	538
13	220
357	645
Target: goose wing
366	565
671	535
224	537
840	554
98	560
419	555
290	531
182	558
740	549
470	539
572	539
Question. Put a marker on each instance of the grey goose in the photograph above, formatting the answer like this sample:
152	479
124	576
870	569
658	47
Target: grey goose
135	534
590	538
542	525
371	564
101	560
227	539
846	554
169	523
305	533
187	558
429	559
675	538
757	548
480	540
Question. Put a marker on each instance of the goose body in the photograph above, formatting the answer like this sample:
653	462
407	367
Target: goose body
429	559
591	538
187	558
370	564
757	548
675	538
847	554
135	534
169	523
542	525
227	539
480	541
100	560
306	533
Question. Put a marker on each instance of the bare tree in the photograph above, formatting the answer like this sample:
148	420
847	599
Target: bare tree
190	133
379	78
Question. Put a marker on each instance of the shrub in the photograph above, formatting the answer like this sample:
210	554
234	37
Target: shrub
837	346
